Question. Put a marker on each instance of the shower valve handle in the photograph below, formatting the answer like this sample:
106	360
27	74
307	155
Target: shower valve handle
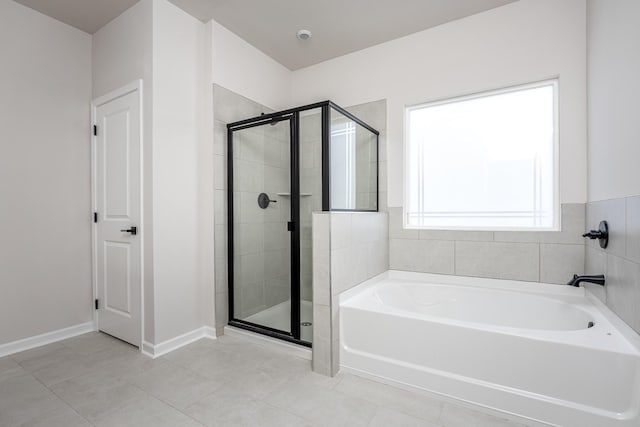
264	200
594	234
602	234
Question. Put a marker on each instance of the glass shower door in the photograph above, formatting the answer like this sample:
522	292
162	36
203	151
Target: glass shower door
261	238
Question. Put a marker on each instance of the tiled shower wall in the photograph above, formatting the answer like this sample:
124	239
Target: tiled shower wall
551	257
620	261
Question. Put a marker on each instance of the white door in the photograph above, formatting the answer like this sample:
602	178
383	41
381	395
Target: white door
117	204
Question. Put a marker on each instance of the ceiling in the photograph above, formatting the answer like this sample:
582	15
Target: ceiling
86	15
338	26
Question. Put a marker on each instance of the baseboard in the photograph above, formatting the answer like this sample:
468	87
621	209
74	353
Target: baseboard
160	349
46	338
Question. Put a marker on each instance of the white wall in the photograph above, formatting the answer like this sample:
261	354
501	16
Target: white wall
524	41
183	224
45	226
614	94
241	68
122	52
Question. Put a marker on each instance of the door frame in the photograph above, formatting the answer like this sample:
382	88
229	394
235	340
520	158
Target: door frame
136	85
294	239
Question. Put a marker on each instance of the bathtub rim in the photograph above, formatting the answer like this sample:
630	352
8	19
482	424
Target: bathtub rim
627	333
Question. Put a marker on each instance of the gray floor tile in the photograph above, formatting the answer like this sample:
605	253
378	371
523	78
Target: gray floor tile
385	417
129	364
61	417
231	407
9	368
186	356
146	411
93	342
321	406
40	357
92	389
409	403
24	399
174	384
63	369
96	402
458	416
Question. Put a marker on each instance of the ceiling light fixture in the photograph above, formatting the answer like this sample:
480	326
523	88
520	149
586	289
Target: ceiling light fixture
303	35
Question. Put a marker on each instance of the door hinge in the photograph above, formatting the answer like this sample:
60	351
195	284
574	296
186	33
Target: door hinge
96	303
95	217
290	226
95	130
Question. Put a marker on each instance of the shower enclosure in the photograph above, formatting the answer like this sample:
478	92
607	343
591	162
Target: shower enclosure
282	167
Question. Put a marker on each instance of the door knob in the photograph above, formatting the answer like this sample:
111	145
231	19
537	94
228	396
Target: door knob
133	230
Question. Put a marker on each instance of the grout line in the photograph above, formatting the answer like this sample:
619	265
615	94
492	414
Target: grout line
455	251
158	398
61	399
539	262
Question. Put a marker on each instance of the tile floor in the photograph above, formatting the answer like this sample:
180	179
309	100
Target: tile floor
96	380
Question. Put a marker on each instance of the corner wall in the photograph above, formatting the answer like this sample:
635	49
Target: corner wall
45	223
614	150
182	175
247	71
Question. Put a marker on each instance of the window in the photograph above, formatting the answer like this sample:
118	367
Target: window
486	161
343	165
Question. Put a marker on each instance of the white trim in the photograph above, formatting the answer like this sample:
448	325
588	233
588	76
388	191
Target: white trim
117	93
136	85
46	338
290	348
157	350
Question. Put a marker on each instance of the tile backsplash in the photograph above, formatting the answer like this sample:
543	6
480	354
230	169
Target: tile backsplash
548	256
620	261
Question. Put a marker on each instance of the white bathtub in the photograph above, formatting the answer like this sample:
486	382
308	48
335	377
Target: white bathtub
520	348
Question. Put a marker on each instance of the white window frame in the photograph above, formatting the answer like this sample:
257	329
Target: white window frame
554	82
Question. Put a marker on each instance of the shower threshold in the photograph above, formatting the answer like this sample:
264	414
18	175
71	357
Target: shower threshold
279	317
